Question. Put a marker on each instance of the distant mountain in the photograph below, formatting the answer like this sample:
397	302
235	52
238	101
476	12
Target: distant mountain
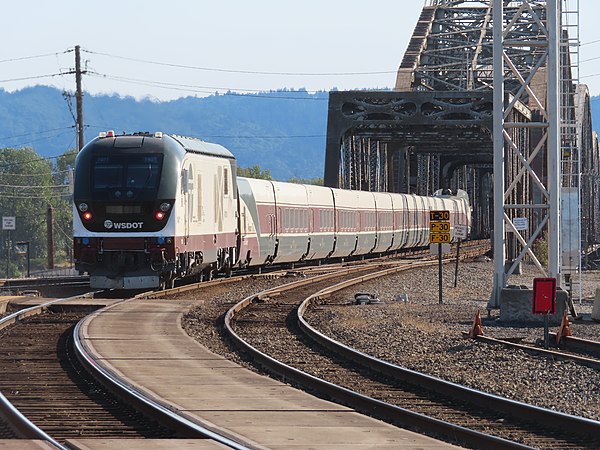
283	131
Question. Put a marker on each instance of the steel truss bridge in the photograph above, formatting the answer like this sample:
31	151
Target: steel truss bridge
435	129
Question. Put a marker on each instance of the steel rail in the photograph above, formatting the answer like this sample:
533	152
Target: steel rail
142	401
560	421
589	362
346	396
578	344
21	424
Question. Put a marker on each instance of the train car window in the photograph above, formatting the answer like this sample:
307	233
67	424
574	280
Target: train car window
143	174
107	173
225	181
133	171
199	183
286	220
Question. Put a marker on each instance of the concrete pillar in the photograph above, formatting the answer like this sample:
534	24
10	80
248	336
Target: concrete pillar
596	308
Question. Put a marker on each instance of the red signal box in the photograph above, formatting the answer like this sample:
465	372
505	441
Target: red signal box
544	296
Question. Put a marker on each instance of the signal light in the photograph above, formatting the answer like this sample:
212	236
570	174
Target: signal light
159	215
87	215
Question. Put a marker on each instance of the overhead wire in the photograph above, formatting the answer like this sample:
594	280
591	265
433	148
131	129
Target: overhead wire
35	132
50	186
35	77
25	143
36	197
30	175
249	72
234	136
252	93
23	58
21	163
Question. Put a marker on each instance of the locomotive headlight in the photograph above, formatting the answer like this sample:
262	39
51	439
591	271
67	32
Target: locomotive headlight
83	207
87	215
164	207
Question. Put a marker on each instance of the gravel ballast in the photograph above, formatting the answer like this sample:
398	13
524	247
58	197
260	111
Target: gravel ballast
423	335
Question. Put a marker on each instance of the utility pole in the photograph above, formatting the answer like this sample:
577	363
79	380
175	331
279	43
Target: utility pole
50	238
79	98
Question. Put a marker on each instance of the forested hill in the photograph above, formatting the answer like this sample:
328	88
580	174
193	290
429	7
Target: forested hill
282	131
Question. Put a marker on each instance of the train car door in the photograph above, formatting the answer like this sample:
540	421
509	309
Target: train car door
187	187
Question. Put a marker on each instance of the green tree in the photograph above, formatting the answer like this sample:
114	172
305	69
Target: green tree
29	186
317	181
25	190
63	211
254	172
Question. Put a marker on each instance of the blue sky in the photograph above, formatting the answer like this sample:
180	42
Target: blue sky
314	40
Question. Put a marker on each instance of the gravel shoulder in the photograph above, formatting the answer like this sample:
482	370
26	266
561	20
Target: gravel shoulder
425	336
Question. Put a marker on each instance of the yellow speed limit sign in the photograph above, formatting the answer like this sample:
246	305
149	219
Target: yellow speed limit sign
439	215
439	227
439	238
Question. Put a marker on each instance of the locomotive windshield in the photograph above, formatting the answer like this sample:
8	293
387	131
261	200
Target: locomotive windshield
126	172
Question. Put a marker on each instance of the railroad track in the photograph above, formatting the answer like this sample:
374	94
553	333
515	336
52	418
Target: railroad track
49	359
46	287
581	351
267	327
43	379
51	390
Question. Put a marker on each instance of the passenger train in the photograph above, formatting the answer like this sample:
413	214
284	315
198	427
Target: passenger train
152	208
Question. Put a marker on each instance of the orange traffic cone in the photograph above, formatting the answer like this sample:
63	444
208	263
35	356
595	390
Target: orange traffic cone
477	329
564	329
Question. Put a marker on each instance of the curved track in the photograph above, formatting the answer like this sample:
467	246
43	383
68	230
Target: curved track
43	379
268	323
50	396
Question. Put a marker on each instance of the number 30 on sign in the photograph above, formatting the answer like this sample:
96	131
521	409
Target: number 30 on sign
439	238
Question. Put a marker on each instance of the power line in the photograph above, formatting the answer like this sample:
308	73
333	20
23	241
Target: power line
590	42
22	163
23	58
22	144
307	136
589	59
36	197
36	132
248	72
36	77
53	186
201	89
30	175
168	85
233	136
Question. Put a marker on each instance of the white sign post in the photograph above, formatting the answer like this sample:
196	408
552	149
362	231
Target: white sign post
520	223
460	231
9	223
